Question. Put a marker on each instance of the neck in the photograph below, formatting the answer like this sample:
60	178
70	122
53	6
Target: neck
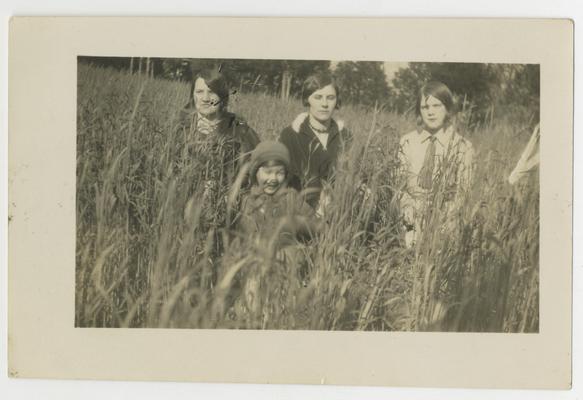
320	125
211	117
434	131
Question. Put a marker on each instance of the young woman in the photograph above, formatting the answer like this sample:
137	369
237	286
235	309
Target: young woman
205	119
315	139
214	145
433	157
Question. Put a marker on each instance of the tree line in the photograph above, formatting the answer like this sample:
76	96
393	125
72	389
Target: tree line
482	90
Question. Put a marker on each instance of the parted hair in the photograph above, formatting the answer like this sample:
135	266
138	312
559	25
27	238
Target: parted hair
442	93
216	82
317	81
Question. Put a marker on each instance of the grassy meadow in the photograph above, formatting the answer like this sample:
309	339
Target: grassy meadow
143	260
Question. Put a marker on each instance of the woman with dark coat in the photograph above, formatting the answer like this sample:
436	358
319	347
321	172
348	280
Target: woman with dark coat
214	145
315	139
205	119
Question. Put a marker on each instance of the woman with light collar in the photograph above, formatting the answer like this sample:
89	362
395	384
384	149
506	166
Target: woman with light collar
434	157
315	139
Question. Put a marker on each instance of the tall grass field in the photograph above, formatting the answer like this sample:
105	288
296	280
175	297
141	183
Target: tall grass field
143	259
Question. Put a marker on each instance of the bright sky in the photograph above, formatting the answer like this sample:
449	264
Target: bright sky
392	67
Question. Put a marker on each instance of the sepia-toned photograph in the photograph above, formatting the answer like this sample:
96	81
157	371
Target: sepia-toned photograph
379	209
274	194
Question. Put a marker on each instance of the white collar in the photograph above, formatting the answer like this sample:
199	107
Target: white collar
442	136
299	120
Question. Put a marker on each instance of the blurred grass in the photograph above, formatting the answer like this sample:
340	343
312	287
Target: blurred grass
144	260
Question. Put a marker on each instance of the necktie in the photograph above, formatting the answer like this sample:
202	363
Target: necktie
425	179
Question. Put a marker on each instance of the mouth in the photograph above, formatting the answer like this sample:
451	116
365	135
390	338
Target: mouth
271	187
323	115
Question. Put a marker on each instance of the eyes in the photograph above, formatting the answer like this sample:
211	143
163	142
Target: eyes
330	97
431	103
432	107
278	172
202	92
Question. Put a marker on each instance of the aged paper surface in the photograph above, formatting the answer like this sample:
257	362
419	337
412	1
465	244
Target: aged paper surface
42	110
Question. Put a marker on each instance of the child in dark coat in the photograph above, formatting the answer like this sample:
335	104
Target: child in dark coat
272	210
274	213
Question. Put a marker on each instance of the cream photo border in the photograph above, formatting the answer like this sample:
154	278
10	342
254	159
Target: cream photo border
43	341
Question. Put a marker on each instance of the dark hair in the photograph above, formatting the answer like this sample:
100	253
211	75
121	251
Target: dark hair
441	92
216	82
318	81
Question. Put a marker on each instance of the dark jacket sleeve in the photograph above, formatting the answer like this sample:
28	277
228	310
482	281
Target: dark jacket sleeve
248	138
252	138
288	138
245	221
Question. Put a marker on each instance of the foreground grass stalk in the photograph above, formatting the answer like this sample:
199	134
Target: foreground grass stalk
148	254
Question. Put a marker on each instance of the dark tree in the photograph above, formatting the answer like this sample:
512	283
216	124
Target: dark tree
362	82
282	78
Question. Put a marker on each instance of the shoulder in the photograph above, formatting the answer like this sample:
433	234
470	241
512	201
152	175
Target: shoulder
291	136
297	202
291	193
235	121
186	115
251	201
409	138
462	142
244	203
343	131
287	133
298	121
287	195
241	128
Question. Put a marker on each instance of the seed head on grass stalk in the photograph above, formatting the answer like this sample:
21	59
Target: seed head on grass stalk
482	275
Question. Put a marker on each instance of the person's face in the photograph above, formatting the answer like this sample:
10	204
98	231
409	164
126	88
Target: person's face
271	177
206	101
322	103
433	113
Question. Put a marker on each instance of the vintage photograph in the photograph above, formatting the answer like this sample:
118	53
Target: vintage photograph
257	209
307	195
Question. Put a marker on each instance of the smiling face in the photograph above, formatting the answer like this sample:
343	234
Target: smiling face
433	113
322	103
271	177
206	101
